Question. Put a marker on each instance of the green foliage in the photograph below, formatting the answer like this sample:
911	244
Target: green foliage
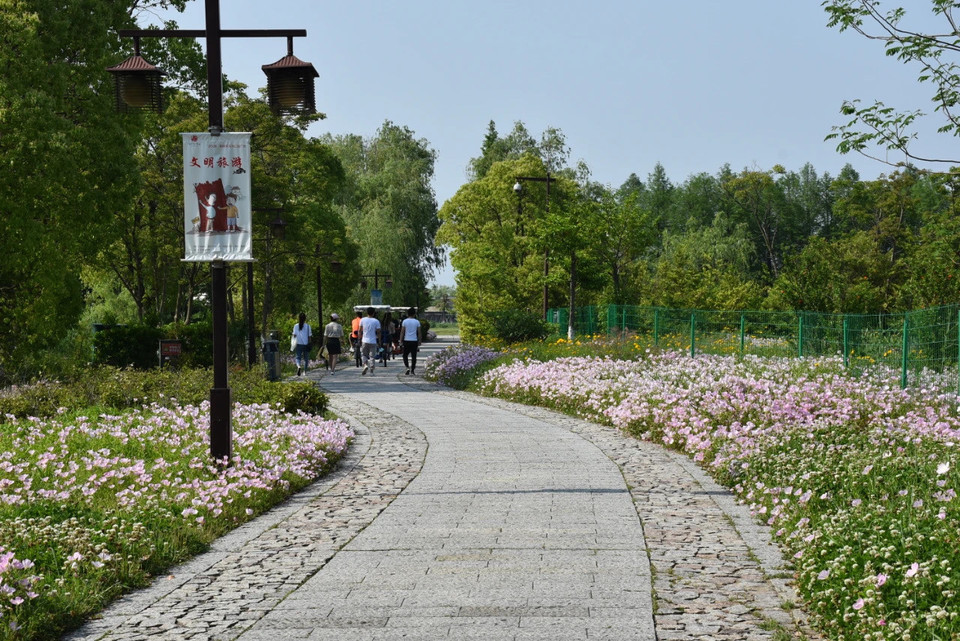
66	158
119	389
302	396
847	275
517	326
495	243
137	345
705	269
878	126
197	342
127	346
390	209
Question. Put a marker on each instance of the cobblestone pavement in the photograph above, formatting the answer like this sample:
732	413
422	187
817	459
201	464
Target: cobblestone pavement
461	517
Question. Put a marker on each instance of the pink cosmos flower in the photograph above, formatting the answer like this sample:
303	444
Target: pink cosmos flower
881	579
913	570
858	605
824	574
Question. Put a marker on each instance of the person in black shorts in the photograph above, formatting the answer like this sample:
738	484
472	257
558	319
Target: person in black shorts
332	335
411	335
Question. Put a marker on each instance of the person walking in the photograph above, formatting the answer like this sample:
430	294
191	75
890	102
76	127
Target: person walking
411	335
302	334
369	340
386	338
332	335
355	337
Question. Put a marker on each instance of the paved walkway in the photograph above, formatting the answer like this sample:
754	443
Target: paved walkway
458	517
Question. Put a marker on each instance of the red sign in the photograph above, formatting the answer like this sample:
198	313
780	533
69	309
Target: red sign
170	348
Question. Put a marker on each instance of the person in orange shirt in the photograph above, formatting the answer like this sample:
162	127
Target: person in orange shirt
355	337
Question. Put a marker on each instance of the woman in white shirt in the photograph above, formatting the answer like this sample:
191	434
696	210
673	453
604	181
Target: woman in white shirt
302	334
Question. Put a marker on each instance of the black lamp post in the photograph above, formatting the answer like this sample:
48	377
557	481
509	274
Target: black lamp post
518	190
131	76
335	267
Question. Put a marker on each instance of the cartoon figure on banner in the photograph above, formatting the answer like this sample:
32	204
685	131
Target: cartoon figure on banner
213	217
232	210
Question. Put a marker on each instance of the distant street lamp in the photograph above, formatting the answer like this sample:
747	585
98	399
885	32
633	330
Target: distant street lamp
137	86
518	190
335	267
375	292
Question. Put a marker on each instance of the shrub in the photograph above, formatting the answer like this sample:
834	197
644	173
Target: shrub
518	325
116	388
197	340
127	346
302	396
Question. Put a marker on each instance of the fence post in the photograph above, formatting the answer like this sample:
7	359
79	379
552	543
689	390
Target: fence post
905	355
742	326
656	326
693	334
846	343
800	336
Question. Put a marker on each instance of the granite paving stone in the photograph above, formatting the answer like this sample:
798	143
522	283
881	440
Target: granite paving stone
459	517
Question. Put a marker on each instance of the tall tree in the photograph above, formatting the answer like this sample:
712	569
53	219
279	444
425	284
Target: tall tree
846	275
659	196
68	169
390	208
623	231
552	149
706	268
696	203
495	248
756	199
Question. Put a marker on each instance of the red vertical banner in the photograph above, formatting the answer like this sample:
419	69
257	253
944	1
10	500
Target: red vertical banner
218	222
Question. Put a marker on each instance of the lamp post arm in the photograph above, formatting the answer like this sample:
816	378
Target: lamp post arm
202	33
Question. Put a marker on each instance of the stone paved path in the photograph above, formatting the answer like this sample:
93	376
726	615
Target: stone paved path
458	517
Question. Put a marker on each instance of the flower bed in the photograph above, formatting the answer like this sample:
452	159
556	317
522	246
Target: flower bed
93	505
454	363
856	477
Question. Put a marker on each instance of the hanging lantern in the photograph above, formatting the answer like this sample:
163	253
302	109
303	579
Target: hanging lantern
277	227
290	84
137	83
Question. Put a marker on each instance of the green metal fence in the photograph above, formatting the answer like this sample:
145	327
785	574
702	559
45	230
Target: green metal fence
909	341
585	320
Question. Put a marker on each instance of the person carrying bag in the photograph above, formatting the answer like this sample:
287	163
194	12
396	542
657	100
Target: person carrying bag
300	341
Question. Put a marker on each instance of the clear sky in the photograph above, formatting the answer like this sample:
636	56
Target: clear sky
692	85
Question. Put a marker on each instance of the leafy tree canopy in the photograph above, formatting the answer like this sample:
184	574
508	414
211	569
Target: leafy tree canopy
933	53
